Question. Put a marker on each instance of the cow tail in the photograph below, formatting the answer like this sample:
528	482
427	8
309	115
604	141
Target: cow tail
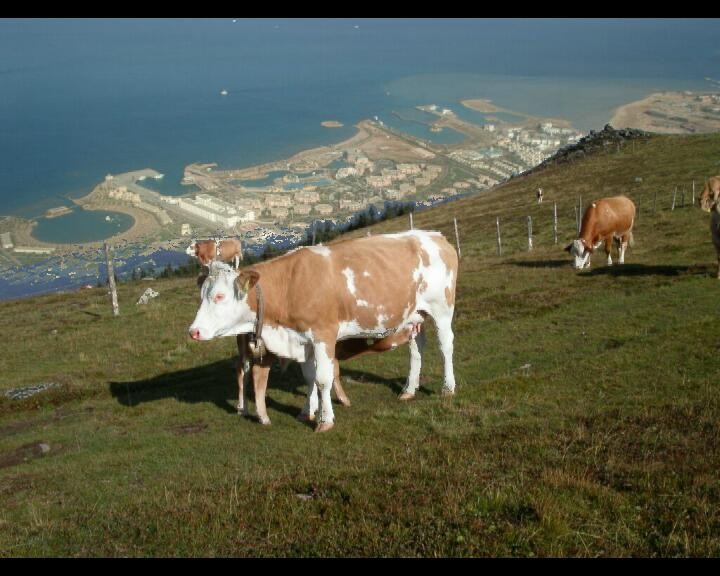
631	239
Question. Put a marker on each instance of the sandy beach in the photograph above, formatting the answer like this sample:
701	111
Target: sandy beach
671	113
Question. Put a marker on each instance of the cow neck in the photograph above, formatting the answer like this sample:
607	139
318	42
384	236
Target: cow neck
274	290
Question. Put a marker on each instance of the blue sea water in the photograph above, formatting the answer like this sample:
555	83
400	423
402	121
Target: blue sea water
83	98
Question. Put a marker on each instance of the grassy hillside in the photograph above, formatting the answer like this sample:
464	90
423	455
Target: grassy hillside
586	420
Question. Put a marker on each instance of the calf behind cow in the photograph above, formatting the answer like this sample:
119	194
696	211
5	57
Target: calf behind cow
207	251
311	298
604	220
710	202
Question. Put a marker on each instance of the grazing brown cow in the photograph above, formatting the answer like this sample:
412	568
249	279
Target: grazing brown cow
604	220
710	202
311	298
207	251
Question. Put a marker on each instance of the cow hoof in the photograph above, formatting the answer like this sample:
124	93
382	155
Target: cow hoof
264	420
306	417
446	392
324	426
405	396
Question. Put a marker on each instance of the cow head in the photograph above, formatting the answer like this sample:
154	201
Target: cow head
710	194
224	308
192	249
581	253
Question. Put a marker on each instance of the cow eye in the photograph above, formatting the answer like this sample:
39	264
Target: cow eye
219	297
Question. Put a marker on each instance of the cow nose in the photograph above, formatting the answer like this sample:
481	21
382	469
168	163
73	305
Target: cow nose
195	334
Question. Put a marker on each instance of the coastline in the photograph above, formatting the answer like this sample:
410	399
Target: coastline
671	112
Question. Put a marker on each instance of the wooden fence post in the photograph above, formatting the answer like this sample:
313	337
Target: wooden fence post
111	280
555	229
457	238
499	243
411	222
529	225
693	193
674	198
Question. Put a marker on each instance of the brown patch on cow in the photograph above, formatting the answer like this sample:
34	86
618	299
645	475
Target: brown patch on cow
184	429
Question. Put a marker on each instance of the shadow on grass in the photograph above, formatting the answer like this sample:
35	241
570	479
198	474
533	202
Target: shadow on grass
215	383
644	270
395	384
564	263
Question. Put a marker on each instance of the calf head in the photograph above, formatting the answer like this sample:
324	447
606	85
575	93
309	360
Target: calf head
224	308
581	252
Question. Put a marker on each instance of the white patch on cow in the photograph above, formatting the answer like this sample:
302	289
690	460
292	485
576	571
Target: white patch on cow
286	343
366	274
350	279
320	249
381	319
348	329
362	303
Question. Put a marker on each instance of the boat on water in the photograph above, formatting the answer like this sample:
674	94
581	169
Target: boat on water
158	176
223	92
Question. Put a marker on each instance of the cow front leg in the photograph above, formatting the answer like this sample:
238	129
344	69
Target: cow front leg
324	373
416	345
260	373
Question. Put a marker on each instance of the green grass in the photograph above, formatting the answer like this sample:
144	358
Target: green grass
608	444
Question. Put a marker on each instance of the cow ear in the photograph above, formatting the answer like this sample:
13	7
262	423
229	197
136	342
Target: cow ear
201	280
246	280
568	247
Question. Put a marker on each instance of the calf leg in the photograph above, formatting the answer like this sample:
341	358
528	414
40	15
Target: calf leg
242	370
339	392
260	373
311	399
417	345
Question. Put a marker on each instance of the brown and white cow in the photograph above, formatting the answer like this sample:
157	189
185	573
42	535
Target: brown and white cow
370	287
604	220
710	202
207	251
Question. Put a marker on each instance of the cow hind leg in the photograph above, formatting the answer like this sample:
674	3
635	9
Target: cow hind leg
417	345
622	248
608	246
445	337
324	373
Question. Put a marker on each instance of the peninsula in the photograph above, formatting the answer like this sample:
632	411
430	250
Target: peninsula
671	113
